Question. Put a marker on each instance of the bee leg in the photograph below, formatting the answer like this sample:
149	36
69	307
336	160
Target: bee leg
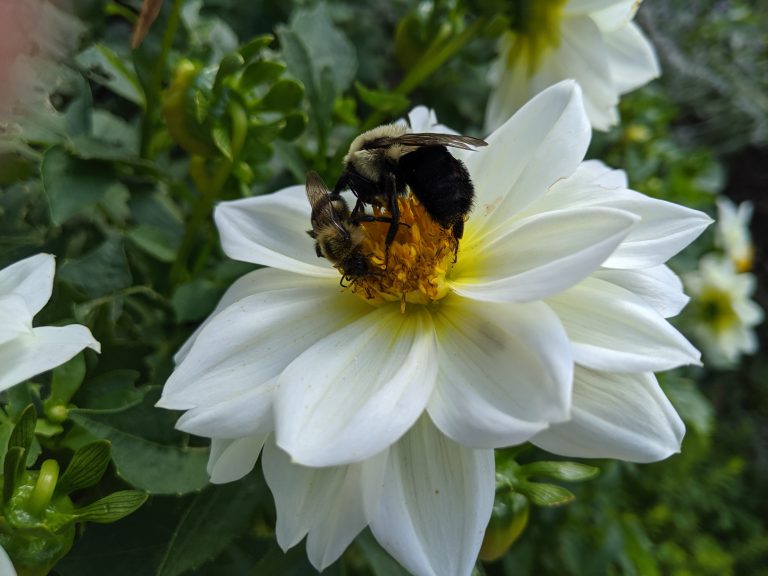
359	208
457	232
394	210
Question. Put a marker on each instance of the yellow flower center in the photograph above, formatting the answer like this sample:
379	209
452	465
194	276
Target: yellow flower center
536	26
414	268
717	310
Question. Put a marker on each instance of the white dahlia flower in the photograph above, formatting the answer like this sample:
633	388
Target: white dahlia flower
25	287
723	315
380	405
594	42
732	232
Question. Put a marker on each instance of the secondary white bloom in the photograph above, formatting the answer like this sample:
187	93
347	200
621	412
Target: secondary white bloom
25	287
383	409
732	232
723	315
592	41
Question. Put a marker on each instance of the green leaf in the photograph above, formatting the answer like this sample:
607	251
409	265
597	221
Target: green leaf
155	242
72	184
230	64
105	67
545	494
216	517
253	47
327	45
65	381
101	272
261	73
112	391
147	452
111	508
381	563
382	100
142	539
692	405
220	136
13	467
638	546
283	96
295	123
24	430
86	467
195	300
565	471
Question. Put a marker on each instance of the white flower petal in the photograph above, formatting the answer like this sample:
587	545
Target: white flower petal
616	16
6	566
270	230
664	229
624	416
358	390
15	319
32	279
613	329
505	372
582	7
258	281
250	342
41	350
582	55
632	58
230	460
437	501
541	255
661	288
243	414
329	505
543	142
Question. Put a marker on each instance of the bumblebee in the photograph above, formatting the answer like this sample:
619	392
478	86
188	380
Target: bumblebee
386	162
337	237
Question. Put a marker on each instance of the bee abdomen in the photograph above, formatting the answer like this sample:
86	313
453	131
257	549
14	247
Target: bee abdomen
440	182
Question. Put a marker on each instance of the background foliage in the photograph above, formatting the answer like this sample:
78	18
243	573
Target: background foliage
116	158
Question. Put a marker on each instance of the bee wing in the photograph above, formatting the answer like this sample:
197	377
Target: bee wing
320	199
317	191
430	139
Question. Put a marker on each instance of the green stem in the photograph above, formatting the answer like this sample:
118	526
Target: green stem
156	80
209	192
438	53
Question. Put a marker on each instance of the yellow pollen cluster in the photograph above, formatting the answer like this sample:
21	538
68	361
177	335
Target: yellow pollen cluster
414	268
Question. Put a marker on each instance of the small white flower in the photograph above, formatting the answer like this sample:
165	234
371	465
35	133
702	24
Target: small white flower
723	315
732	232
25	287
592	41
383	408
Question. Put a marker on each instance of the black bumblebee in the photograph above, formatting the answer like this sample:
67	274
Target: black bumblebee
383	161
337	237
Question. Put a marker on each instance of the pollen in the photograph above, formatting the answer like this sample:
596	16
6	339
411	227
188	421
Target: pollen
414	267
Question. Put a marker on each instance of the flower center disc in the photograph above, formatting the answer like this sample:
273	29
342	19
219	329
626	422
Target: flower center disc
414	268
537	27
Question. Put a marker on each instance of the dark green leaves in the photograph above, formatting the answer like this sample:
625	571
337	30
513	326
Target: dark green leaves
71	184
146	451
111	508
86	467
101	272
215	518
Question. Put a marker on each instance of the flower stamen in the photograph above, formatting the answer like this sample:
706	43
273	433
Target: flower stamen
414	266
